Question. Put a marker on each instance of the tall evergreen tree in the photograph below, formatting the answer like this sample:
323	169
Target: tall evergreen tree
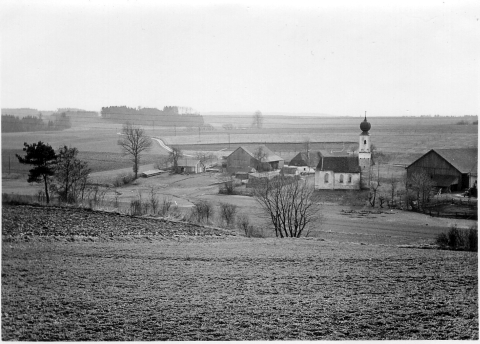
43	158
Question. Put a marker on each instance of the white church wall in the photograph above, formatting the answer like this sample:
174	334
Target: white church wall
336	182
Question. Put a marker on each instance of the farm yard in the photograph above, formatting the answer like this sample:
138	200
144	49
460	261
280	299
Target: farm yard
361	272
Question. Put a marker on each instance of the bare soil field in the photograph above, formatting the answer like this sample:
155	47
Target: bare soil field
148	286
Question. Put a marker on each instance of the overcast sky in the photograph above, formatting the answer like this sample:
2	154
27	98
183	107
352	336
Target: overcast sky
402	58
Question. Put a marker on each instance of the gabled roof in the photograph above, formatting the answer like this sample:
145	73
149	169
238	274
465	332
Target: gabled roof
271	156
339	164
327	153
188	162
301	159
463	159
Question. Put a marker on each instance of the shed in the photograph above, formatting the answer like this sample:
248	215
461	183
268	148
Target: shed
190	165
151	173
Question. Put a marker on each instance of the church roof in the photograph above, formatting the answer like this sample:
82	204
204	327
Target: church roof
339	164
331	152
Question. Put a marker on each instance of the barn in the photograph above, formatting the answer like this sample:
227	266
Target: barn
244	158
450	169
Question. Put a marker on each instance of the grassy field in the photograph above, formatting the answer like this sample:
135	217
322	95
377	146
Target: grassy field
235	289
97	161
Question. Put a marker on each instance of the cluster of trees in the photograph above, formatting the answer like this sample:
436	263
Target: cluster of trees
12	124
169	116
61	173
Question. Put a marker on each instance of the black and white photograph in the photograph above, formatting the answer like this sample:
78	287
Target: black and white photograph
239	170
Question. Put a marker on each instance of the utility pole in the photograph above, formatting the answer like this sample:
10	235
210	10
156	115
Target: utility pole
198	133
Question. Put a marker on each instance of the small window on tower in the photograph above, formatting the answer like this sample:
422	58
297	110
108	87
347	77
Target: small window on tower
365	142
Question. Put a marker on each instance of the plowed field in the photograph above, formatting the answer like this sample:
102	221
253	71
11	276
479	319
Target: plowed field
222	287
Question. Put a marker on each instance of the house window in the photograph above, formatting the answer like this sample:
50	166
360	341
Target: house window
326	178
349	178
341	178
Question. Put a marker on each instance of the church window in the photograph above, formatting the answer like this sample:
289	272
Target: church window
341	178
365	141
325	179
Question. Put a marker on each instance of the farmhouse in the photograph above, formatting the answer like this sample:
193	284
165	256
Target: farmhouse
260	158
341	170
190	165
450	169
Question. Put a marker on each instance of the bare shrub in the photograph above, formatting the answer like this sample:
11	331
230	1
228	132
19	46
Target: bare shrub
136	207
41	196
94	196
123	179
459	239
243	223
153	199
165	206
227	213
201	212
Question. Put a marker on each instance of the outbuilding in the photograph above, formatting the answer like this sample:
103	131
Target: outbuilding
451	169
189	165
260	158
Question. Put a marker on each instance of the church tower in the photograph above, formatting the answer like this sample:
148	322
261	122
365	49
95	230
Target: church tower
364	153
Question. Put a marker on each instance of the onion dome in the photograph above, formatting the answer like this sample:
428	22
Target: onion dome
365	126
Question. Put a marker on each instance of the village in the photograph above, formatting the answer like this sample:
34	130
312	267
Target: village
239	171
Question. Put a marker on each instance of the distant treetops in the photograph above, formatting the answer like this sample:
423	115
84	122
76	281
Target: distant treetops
169	116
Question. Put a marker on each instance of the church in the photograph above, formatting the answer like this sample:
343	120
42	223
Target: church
342	171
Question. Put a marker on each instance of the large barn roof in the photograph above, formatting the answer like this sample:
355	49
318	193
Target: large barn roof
271	156
339	164
463	159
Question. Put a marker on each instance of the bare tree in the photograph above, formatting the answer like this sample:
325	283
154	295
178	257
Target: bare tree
204	158
260	155
421	183
174	156
71	175
288	204
306	144
393	186
257	120
133	142
374	186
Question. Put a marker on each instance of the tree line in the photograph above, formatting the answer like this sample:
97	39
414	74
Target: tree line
13	124
169	116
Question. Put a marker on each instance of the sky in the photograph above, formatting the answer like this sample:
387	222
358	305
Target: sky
337	58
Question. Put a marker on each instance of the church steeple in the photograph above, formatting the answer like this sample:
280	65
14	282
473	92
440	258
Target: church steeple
365	125
364	139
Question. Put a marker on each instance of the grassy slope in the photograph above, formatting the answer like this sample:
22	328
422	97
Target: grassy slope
235	289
